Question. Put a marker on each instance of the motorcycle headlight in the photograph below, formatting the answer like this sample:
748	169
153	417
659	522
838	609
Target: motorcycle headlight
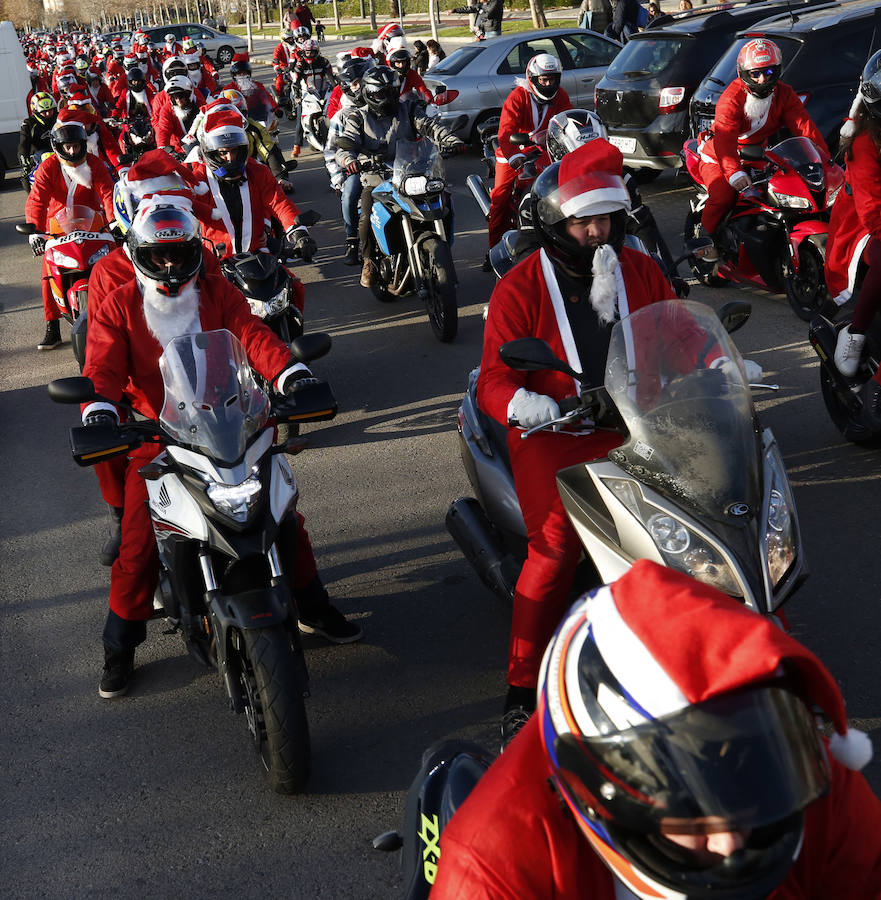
789	201
435	186
681	547
780	538
264	308
830	197
415	185
235	500
98	254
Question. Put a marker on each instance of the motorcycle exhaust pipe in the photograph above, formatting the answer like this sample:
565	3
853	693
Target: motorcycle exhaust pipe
473	532
478	191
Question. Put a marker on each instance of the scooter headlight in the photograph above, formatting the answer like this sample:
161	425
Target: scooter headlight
780	536
98	254
789	201
264	308
235	500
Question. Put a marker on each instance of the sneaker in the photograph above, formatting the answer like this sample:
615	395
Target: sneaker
333	625
352	257
52	338
848	349
871	395
368	273
118	666
110	550
512	721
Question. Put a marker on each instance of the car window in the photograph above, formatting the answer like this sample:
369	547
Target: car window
456	61
844	54
725	70
515	62
647	57
585	51
194	31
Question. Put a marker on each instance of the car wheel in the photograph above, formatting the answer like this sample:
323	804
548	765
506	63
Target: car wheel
225	55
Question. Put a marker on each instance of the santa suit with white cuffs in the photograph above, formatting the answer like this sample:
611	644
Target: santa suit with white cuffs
521	114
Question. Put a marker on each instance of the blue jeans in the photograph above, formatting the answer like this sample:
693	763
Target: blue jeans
349	200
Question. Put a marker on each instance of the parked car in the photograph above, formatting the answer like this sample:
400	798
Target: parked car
643	97
218	45
824	52
480	76
125	37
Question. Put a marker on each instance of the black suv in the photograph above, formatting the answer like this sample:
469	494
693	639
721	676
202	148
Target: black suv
643	97
824	52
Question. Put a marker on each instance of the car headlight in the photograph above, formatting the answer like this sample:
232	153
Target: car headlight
235	500
780	541
264	308
98	254
681	547
789	201
414	185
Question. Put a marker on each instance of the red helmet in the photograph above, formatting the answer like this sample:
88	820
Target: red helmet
757	58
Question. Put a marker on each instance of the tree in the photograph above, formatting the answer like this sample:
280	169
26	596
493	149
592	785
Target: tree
537	9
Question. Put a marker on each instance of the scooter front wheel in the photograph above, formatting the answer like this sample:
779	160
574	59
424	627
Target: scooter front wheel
440	282
845	417
806	289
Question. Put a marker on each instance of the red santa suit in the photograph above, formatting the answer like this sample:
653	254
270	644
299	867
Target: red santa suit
127	102
167	51
122	356
513	807
102	98
413	86
856	217
116	79
171	126
523	114
527	302
257	99
283	58
54	190
732	130
334	101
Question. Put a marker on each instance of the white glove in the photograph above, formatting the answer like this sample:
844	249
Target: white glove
38	243
740	181
732	372
529	409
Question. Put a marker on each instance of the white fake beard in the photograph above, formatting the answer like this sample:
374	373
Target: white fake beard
81	174
756	108
604	287
170	317
245	85
180	113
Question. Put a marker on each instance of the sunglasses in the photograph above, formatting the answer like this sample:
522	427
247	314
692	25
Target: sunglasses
756	73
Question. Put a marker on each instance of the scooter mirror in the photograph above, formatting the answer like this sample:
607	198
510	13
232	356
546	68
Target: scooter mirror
26	228
734	315
533	355
307	347
76	389
519	137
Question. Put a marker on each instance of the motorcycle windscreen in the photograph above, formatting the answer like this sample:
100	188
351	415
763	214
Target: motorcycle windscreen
212	400
416	163
693	436
76	217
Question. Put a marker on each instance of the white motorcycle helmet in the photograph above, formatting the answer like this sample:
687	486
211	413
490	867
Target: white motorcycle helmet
543	65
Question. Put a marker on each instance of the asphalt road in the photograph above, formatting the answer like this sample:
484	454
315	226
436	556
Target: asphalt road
158	794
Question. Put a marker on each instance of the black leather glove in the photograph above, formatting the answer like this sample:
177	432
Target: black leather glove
100	417
453	149
294	384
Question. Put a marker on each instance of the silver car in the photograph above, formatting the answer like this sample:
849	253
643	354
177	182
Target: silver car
219	46
482	74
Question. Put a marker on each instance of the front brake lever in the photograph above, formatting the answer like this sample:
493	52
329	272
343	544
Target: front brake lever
560	420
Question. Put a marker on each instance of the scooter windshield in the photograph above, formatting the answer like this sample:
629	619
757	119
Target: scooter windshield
419	161
212	400
689	412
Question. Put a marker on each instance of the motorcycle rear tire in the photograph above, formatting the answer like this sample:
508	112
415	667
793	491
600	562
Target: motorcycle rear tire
842	416
275	708
441	303
379	288
806	292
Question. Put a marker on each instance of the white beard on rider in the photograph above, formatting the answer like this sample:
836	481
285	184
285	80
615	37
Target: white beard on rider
169	317
756	108
81	174
604	286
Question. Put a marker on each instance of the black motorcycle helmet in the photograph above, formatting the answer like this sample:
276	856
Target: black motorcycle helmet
166	247
400	60
240	67
136	80
350	76
870	86
569	189
381	92
69	132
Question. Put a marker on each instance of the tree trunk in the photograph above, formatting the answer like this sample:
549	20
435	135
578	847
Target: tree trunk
373	14
539	19
433	12
363	10
336	14
248	36
259	7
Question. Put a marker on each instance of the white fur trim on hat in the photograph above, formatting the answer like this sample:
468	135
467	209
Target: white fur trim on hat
853	749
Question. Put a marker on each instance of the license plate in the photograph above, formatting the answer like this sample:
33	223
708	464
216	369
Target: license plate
625	145
704	124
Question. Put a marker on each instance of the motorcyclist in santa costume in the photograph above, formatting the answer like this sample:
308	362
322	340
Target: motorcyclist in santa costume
176	117
674	754
569	293
528	108
245	195
172	295
72	176
283	59
753	108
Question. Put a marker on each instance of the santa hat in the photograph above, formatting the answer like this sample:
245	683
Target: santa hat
392	29
156	172
590	182
673	641
223	120
241	57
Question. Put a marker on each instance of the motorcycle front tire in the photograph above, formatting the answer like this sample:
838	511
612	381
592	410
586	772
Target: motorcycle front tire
275	707
441	302
806	291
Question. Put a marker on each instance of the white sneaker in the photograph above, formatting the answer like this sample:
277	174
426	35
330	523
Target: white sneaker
848	350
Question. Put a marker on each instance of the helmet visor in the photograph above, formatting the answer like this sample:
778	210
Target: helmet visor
741	761
584	194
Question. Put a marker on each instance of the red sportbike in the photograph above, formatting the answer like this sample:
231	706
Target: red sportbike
775	236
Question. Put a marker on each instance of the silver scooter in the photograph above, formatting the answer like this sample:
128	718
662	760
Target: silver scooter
696	484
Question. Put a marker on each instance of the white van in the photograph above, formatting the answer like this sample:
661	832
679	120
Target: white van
15	83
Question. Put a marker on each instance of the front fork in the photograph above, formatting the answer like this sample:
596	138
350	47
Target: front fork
413	246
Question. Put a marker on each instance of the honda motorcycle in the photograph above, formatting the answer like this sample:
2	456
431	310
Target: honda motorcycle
775	236
222	498
695	485
411	222
78	238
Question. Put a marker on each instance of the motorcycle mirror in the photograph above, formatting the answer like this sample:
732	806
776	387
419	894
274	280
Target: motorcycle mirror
310	346
533	355
388	842
519	137
77	389
752	152
26	228
734	315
